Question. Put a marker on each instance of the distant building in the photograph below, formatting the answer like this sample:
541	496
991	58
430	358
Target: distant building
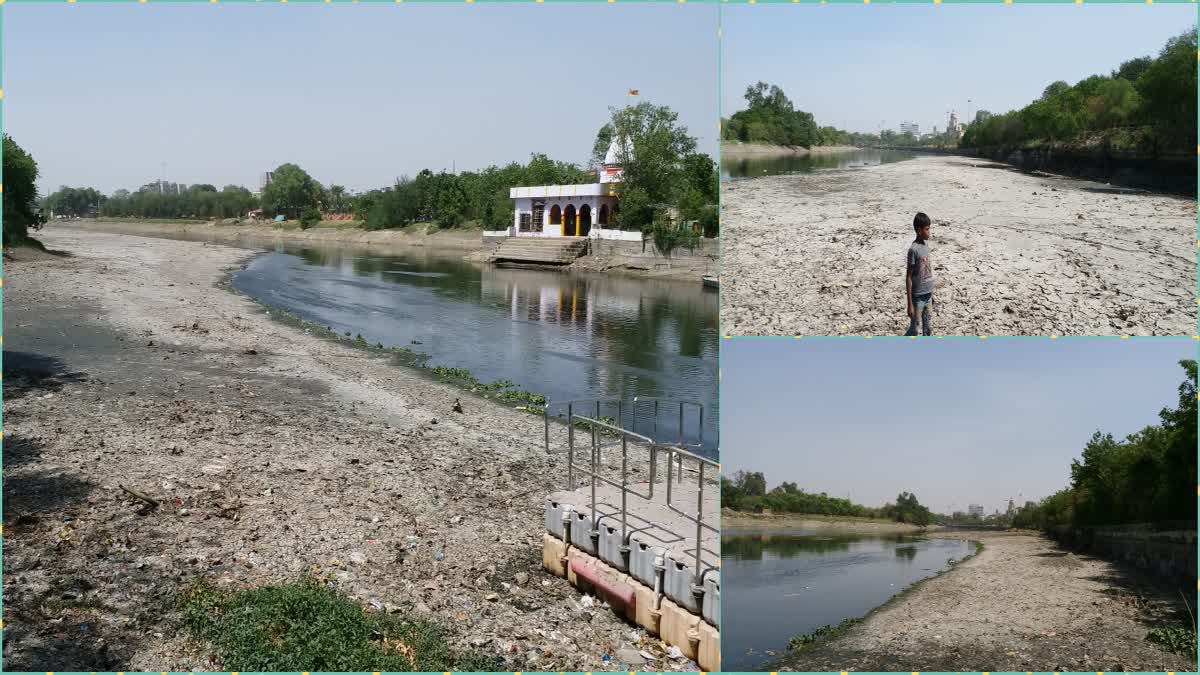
955	128
265	180
910	128
975	510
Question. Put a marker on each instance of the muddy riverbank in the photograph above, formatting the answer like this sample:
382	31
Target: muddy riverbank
1020	604
274	455
609	258
1015	253
753	521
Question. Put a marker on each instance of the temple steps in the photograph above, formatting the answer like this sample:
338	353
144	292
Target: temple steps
555	251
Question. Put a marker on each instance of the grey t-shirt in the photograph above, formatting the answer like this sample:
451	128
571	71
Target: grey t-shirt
922	268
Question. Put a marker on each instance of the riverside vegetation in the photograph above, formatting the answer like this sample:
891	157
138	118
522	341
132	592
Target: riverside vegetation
1146	105
669	190
747	491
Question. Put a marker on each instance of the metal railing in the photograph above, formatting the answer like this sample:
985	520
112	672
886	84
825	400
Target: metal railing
603	432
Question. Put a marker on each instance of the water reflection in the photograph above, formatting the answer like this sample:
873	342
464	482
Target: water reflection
782	583
733	167
561	334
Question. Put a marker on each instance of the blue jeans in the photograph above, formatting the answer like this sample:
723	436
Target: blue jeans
923	312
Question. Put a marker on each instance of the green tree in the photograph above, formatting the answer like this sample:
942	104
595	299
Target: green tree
21	213
651	148
1168	89
339	201
74	202
310	217
1133	68
290	192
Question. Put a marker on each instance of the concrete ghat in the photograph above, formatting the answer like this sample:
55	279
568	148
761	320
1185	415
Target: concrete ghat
659	598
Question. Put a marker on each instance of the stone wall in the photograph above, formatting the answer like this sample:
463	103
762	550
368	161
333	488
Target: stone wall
1165	550
1167	173
647	250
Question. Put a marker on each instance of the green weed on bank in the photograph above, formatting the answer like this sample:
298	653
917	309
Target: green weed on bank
310	627
802	642
1176	639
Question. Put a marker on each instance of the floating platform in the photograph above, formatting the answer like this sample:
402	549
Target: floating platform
638	525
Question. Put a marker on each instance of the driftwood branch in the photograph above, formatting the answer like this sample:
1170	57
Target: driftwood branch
149	500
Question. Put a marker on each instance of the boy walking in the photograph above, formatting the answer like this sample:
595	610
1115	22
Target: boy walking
918	279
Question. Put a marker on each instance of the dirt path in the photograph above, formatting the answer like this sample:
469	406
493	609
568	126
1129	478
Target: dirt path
1015	253
1022	604
275	454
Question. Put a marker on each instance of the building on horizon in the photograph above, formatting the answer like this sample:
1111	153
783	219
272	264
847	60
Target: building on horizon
975	510
955	128
265	179
910	128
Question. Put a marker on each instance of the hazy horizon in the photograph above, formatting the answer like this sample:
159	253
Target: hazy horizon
955	421
103	96
857	65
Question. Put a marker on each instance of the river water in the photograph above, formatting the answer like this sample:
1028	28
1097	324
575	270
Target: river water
778	584
563	335
734	167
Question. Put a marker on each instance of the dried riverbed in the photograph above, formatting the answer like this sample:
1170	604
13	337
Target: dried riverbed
1015	253
274	454
1021	604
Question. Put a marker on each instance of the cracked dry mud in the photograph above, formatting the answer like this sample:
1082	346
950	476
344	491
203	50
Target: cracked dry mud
275	455
1021	604
1015	253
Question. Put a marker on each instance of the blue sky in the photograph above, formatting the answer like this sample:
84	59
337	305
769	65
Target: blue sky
101	95
854	66
956	421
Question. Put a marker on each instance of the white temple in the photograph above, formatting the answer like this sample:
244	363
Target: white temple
572	210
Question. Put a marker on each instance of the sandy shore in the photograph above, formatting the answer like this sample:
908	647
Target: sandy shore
733	520
766	150
274	454
1021	604
468	243
1015	253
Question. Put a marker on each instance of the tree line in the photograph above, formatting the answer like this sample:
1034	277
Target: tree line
1142	478
669	190
747	491
197	201
771	117
1146	103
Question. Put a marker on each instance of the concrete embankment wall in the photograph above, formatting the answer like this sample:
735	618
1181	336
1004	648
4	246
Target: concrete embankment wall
1166	172
647	250
1166	550
632	249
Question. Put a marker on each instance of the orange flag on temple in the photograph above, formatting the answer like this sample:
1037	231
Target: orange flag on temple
633	92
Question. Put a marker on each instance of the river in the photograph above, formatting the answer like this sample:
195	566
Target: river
734	166
561	334
782	583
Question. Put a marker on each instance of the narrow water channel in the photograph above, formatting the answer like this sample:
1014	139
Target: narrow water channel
782	583
734	167
563	335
